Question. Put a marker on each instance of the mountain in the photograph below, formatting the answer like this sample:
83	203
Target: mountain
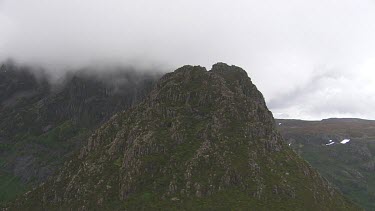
348	165
200	140
43	123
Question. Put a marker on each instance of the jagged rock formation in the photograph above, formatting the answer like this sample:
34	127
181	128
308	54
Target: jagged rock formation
201	140
42	124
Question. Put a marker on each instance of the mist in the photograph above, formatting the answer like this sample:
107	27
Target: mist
310	59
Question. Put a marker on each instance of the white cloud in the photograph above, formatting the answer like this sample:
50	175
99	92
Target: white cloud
311	59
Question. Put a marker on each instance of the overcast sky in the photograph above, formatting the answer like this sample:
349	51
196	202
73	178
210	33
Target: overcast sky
311	59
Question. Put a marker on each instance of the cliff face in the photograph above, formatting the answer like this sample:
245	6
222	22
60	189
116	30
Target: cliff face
202	139
42	124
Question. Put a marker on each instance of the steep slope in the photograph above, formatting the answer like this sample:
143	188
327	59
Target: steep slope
42	124
349	166
201	140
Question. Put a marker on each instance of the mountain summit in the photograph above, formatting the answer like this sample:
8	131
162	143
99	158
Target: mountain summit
201	140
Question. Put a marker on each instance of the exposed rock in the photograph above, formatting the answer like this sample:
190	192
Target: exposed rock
201	140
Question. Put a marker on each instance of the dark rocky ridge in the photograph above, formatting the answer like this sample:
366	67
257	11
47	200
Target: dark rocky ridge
201	140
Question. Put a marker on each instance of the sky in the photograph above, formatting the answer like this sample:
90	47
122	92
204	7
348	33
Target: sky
311	59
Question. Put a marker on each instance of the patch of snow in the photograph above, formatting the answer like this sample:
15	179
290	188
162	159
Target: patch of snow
290	144
345	141
280	123
330	143
330	140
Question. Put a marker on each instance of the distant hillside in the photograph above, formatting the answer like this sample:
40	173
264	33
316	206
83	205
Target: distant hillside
349	164
42	124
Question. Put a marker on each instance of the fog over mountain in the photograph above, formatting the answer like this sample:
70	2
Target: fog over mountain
311	59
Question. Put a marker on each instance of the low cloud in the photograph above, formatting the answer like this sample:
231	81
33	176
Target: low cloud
331	94
311	59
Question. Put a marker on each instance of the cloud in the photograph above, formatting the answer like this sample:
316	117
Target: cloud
332	94
309	58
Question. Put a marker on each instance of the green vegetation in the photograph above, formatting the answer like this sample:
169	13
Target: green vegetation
350	167
56	138
10	187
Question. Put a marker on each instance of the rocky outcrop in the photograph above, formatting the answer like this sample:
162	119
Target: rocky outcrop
201	140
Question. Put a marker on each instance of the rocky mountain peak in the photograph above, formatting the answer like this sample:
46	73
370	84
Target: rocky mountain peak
201	140
225	69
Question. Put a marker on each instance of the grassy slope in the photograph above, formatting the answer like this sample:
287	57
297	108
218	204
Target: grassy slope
343	165
11	187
